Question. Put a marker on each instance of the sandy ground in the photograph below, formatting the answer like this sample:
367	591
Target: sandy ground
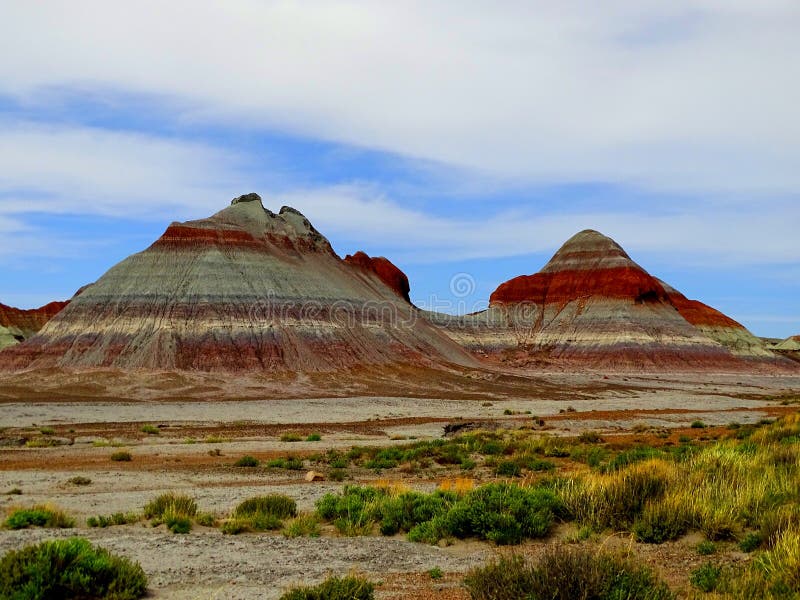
206	564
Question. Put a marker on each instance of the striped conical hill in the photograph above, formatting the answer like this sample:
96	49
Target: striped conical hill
245	289
592	305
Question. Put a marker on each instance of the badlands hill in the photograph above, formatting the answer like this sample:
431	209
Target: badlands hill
17	325
593	305
245	289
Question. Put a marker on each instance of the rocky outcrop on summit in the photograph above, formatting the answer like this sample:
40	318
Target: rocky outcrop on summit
386	271
593	305
244	289
17	325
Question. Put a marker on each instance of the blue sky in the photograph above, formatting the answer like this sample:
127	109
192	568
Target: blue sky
456	138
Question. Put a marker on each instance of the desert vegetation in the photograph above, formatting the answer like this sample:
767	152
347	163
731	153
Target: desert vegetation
734	489
71	568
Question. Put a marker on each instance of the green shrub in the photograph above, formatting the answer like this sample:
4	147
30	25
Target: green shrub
69	569
435	573
337	474
115	519
274	504
206	519
177	522
706	548
150	430
502	513
314	437
508	468
80	480
698	425
235	526
291	463
302	526
291	437
590	437
47	431
346	588
706	578
246	461
170	502
750	542
121	457
659	522
566	574
629	457
39	516
262	513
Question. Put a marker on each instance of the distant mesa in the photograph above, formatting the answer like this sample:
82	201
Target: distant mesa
245	289
386	271
592	305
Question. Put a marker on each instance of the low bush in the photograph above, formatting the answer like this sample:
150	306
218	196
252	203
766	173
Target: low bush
334	588
170	503
566	574
115	519
508	468
302	526
177	522
67	569
750	542
314	437
706	548
291	463
660	521
262	513
246	461
150	430
121	457
706	578
274	504
616	500
39	516
291	437
337	474
79	481
502	513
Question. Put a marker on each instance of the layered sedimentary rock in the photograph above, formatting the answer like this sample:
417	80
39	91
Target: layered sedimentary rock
386	271
790	348
593	305
17	325
718	326
243	289
791	344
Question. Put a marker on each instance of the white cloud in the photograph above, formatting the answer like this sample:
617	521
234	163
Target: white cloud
690	96
704	235
71	169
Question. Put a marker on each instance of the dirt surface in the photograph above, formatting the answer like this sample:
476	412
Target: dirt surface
201	432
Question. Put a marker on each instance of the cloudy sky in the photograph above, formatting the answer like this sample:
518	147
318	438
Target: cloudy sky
452	136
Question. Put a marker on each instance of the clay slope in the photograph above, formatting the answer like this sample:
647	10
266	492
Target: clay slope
243	289
18	324
593	305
